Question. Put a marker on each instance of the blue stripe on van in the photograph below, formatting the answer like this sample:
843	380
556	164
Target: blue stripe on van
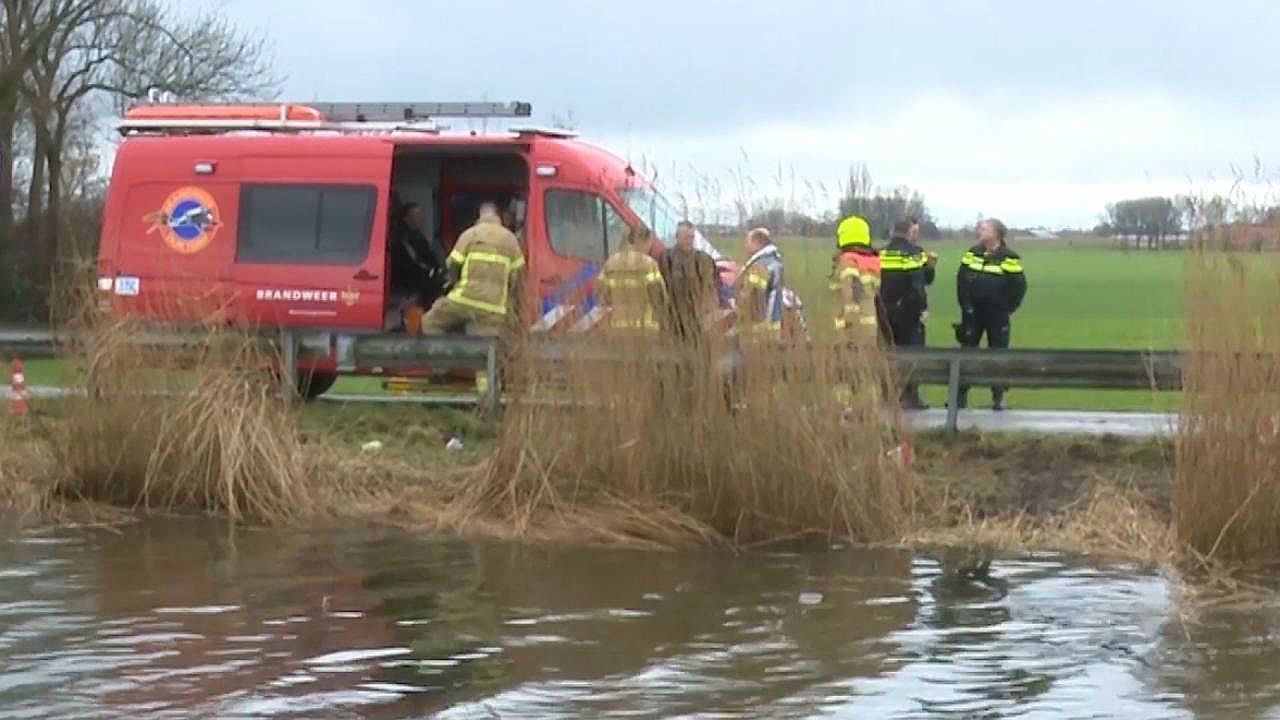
570	286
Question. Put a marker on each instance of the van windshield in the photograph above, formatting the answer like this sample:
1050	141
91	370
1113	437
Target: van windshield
662	218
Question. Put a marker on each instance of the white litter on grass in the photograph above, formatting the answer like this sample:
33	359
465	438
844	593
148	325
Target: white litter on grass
454	444
371	446
810	598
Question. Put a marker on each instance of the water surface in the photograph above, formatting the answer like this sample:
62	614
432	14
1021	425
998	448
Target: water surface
185	618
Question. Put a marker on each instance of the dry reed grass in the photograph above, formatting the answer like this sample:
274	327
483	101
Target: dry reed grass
25	468
1227	494
159	430
656	448
1111	520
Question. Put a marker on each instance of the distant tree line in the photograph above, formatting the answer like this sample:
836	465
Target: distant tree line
881	208
1160	222
1216	222
65	65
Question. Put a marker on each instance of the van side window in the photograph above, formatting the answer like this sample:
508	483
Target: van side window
307	224
583	225
615	229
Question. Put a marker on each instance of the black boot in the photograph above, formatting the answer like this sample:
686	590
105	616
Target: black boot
997	400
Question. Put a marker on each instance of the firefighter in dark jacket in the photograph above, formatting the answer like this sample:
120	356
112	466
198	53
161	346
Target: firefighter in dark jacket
906	271
990	286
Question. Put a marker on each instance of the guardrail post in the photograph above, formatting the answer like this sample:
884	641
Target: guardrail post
953	398
489	403
92	386
289	373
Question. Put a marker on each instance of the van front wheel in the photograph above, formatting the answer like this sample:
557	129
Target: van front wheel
314	383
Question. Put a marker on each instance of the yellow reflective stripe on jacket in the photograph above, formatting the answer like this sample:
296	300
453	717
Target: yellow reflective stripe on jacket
841	323
893	261
1008	266
647	323
652	278
457	257
459	294
977	264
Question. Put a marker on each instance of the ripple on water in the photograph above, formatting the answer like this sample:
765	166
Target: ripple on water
483	634
351	656
197	610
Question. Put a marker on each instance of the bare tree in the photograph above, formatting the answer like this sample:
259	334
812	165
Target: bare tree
879	207
80	55
20	44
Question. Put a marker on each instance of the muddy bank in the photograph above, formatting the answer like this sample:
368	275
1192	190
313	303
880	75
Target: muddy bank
998	475
394	464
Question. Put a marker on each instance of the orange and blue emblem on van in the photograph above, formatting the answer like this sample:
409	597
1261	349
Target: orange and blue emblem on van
188	220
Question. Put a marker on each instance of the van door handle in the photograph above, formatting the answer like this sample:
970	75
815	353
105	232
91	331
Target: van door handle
364	275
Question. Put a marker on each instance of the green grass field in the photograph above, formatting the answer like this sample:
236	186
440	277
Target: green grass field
1077	297
1085	296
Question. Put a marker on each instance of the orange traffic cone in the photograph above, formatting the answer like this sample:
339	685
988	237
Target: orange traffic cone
901	455
18	385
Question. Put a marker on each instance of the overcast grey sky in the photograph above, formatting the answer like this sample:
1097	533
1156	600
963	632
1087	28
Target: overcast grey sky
1038	112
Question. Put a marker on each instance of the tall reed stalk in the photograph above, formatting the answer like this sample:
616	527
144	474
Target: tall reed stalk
1227	495
202	430
684	446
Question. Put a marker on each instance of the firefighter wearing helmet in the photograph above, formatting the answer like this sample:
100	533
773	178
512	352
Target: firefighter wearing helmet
855	279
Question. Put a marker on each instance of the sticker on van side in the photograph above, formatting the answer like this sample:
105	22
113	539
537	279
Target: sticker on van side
187	220
309	296
127	286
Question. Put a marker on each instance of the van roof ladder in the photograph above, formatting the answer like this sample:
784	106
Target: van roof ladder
333	116
408	112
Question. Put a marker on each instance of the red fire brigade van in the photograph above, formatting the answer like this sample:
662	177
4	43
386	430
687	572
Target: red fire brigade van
281	215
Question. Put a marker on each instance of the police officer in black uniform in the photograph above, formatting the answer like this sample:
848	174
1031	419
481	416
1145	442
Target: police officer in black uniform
990	285
906	271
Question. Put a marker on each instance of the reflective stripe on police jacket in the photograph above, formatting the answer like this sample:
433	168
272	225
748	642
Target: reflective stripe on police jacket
978	263
894	261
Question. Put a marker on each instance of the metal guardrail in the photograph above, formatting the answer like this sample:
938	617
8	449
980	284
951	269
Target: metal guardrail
952	367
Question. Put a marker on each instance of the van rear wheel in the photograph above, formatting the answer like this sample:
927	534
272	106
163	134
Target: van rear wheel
314	383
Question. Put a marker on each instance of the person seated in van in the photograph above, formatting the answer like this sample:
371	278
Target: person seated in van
484	269
417	272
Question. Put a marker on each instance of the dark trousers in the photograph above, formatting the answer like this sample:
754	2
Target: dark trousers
994	324
906	330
